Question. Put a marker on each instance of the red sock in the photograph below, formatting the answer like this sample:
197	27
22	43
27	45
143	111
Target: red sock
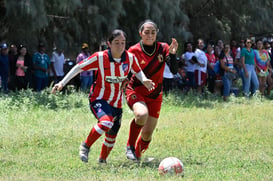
133	133
107	146
141	147
95	133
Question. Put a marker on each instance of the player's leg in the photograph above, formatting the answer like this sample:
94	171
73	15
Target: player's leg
146	136
141	114
137	103
110	136
154	107
102	111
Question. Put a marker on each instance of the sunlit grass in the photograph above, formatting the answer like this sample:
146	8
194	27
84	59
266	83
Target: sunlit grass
40	135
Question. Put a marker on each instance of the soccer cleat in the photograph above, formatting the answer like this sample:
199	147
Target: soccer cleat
84	151
102	161
130	153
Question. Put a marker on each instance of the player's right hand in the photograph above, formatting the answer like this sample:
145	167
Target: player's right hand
57	87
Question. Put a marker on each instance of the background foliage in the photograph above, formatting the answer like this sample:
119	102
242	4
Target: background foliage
69	23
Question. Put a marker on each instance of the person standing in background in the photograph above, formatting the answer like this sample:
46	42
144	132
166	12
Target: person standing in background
168	79
190	66
41	63
4	67
262	63
57	66
248	64
86	77
13	53
200	73
211	63
23	69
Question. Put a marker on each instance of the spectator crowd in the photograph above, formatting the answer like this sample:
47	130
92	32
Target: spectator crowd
19	70
243	67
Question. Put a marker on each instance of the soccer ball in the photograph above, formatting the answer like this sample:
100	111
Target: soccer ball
171	166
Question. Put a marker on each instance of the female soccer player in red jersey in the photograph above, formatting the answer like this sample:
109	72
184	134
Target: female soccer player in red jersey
112	66
145	104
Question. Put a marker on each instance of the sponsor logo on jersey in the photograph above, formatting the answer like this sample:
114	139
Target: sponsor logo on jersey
114	79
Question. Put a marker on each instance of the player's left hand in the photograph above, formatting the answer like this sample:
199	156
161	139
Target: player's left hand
57	87
173	47
124	84
149	84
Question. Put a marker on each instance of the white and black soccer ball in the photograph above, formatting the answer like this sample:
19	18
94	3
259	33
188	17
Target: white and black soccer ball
171	166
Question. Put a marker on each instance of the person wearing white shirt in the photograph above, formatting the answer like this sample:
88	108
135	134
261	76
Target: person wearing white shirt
57	66
201	68
168	79
190	65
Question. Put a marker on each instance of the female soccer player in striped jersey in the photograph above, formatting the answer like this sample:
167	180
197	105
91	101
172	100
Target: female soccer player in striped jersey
112	66
145	104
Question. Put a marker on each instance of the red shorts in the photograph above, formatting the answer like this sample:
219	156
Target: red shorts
153	105
200	78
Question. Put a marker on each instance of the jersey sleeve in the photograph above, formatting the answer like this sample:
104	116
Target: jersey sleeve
90	63
135	66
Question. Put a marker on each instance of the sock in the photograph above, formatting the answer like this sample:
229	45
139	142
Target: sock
141	147
95	133
107	146
133	133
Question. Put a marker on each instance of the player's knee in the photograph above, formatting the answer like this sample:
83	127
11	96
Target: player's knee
106	125
141	116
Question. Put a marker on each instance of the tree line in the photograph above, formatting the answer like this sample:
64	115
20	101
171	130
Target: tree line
69	23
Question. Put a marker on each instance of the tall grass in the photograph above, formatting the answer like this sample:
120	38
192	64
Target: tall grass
40	135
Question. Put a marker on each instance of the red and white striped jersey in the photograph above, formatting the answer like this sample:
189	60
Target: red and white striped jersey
110	75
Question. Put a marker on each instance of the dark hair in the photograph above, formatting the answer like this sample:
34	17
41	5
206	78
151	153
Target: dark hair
116	33
21	46
147	21
198	40
259	40
186	44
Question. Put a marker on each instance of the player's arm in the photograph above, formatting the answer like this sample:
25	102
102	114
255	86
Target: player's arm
70	75
148	83
171	59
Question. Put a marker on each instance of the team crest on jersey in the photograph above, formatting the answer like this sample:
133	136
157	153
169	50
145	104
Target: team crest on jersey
125	67
133	96
142	62
160	58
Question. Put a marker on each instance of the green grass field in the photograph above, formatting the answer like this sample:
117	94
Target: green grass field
40	135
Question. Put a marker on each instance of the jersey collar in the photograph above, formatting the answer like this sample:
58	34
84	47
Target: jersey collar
123	56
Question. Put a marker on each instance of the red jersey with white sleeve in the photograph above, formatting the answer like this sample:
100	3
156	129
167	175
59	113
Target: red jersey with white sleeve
110	75
153	67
